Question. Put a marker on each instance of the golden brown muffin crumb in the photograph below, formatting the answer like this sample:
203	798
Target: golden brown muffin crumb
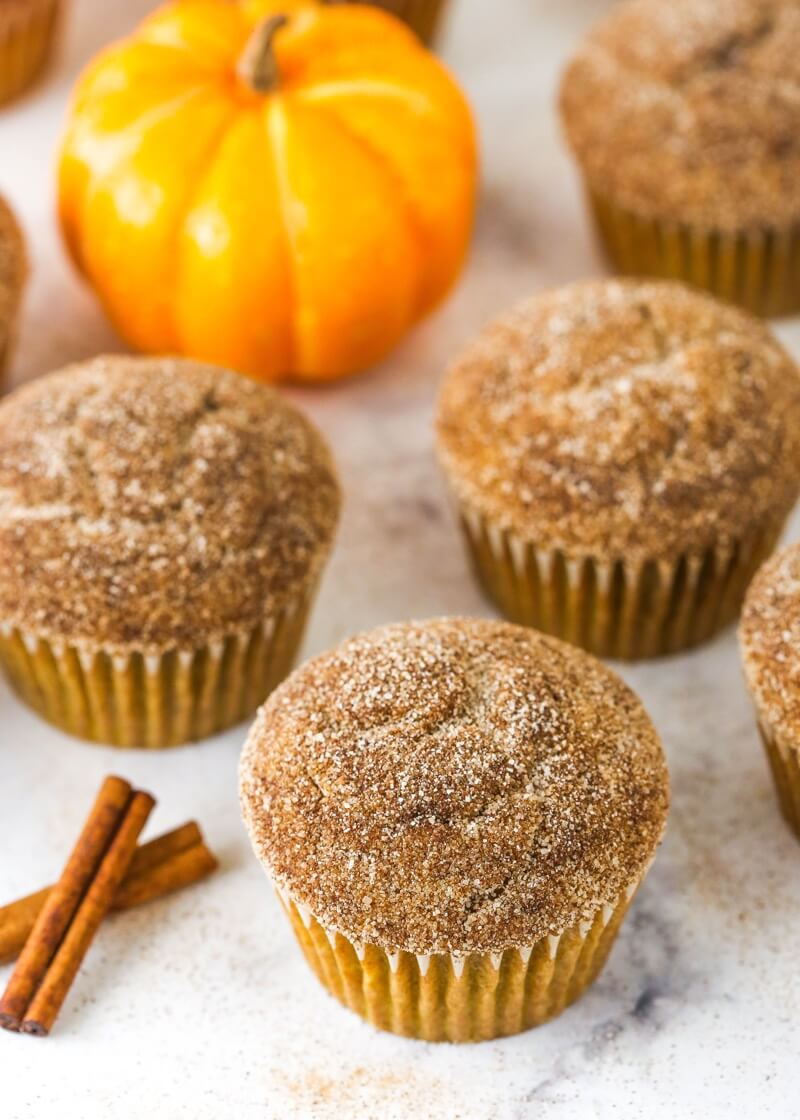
156	503
769	636
690	111
453	785
622	419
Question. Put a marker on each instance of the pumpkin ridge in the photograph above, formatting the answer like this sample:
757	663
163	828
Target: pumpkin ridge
321	91
371	26
413	221
180	209
208	163
95	85
99	179
157	112
154	29
417	102
276	138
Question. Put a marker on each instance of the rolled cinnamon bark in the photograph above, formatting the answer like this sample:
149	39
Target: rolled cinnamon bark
57	913
171	861
181	869
55	983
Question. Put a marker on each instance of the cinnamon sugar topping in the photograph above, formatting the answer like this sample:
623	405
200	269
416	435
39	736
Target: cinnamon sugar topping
690	111
454	786
769	636
624	418
152	503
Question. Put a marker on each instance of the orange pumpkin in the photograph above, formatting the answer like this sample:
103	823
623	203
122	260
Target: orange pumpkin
282	187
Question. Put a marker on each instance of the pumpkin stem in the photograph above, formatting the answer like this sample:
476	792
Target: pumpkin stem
257	66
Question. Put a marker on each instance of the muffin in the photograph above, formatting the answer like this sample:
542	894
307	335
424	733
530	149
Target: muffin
455	815
163	525
684	119
422	16
13	273
769	637
623	455
27	30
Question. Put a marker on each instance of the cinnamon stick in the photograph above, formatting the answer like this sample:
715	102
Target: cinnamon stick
57	913
55	983
179	870
156	851
171	861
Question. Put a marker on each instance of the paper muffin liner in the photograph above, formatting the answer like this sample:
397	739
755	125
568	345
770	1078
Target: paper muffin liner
27	29
421	15
758	269
784	762
622	608
153	699
449	997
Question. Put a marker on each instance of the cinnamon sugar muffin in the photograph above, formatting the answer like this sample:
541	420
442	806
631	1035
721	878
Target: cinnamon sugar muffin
27	30
769	637
163	525
13	273
684	118
624	455
455	814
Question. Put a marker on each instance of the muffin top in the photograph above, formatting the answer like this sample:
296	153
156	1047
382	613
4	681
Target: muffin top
13	267
690	110
453	785
769	635
623	418
155	503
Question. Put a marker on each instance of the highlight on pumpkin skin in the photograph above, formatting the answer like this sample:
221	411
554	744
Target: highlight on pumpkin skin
279	186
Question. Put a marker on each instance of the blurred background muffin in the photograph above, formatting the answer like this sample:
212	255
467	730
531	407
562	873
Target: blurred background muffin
623	454
684	119
27	30
769	636
13	274
163	527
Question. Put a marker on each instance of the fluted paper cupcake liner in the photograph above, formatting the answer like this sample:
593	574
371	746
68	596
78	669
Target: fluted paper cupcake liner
421	15
151	699
445	997
784	761
621	608
27	30
759	270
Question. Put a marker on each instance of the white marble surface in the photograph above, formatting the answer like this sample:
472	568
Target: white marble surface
200	1005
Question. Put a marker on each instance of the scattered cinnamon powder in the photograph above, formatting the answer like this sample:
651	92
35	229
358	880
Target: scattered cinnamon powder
621	418
453	786
690	111
769	635
152	503
391	1091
